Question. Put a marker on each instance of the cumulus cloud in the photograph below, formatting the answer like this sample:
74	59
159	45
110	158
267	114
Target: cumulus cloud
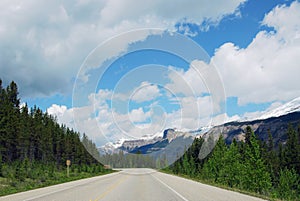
267	70
102	121
43	44
145	92
199	80
58	110
62	114
168	11
285	21
138	115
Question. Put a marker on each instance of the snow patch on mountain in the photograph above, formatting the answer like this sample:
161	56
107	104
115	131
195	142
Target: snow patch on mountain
292	106
287	108
127	145
111	147
171	134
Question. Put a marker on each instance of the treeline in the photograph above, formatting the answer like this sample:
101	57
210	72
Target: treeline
252	165
33	144
133	160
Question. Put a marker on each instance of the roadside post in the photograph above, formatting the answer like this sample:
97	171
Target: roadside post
68	163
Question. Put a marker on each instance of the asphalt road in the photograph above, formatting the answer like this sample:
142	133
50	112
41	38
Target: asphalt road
131	185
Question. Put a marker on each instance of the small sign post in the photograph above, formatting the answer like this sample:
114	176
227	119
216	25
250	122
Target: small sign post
68	163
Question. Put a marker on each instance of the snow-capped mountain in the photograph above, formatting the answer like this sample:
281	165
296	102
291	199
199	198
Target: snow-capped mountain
146	144
292	106
111	147
289	107
278	117
275	121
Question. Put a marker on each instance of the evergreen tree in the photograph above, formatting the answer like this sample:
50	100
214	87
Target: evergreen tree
186	164
212	168
288	187
291	151
32	144
272	159
233	171
257	177
207	147
248	134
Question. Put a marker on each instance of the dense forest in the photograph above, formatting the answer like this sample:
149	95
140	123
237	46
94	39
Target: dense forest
34	147
252	165
133	160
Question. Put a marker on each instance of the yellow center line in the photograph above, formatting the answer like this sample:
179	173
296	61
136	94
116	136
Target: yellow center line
110	188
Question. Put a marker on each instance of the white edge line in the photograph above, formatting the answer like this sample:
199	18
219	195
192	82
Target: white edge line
166	185
49	193
64	189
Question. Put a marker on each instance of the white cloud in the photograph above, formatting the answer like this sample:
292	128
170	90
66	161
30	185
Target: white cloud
188	83
43	44
101	122
62	114
267	70
201	78
168	11
145	92
57	110
195	112
138	115
285	21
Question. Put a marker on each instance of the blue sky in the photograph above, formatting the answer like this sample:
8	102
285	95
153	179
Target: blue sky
124	69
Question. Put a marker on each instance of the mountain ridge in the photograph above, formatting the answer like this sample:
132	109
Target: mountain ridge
276	121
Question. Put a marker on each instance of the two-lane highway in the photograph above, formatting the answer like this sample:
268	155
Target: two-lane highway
130	185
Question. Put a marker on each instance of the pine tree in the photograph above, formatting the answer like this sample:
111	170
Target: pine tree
186	164
272	159
257	177
291	151
248	135
34	143
233	169
207	147
212	168
288	187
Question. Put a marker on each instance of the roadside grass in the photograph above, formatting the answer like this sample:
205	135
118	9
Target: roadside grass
11	186
197	179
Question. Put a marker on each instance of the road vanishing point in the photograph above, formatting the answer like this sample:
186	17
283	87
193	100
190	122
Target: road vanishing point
139	184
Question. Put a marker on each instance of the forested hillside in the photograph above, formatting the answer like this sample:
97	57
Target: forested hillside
253	165
34	147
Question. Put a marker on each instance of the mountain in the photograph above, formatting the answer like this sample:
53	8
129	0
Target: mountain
148	144
173	142
111	147
169	146
275	121
132	145
170	137
290	107
277	126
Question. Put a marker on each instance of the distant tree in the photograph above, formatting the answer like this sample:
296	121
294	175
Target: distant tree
291	151
288	187
186	164
272	159
257	177
207	147
248	135
233	171
212	168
